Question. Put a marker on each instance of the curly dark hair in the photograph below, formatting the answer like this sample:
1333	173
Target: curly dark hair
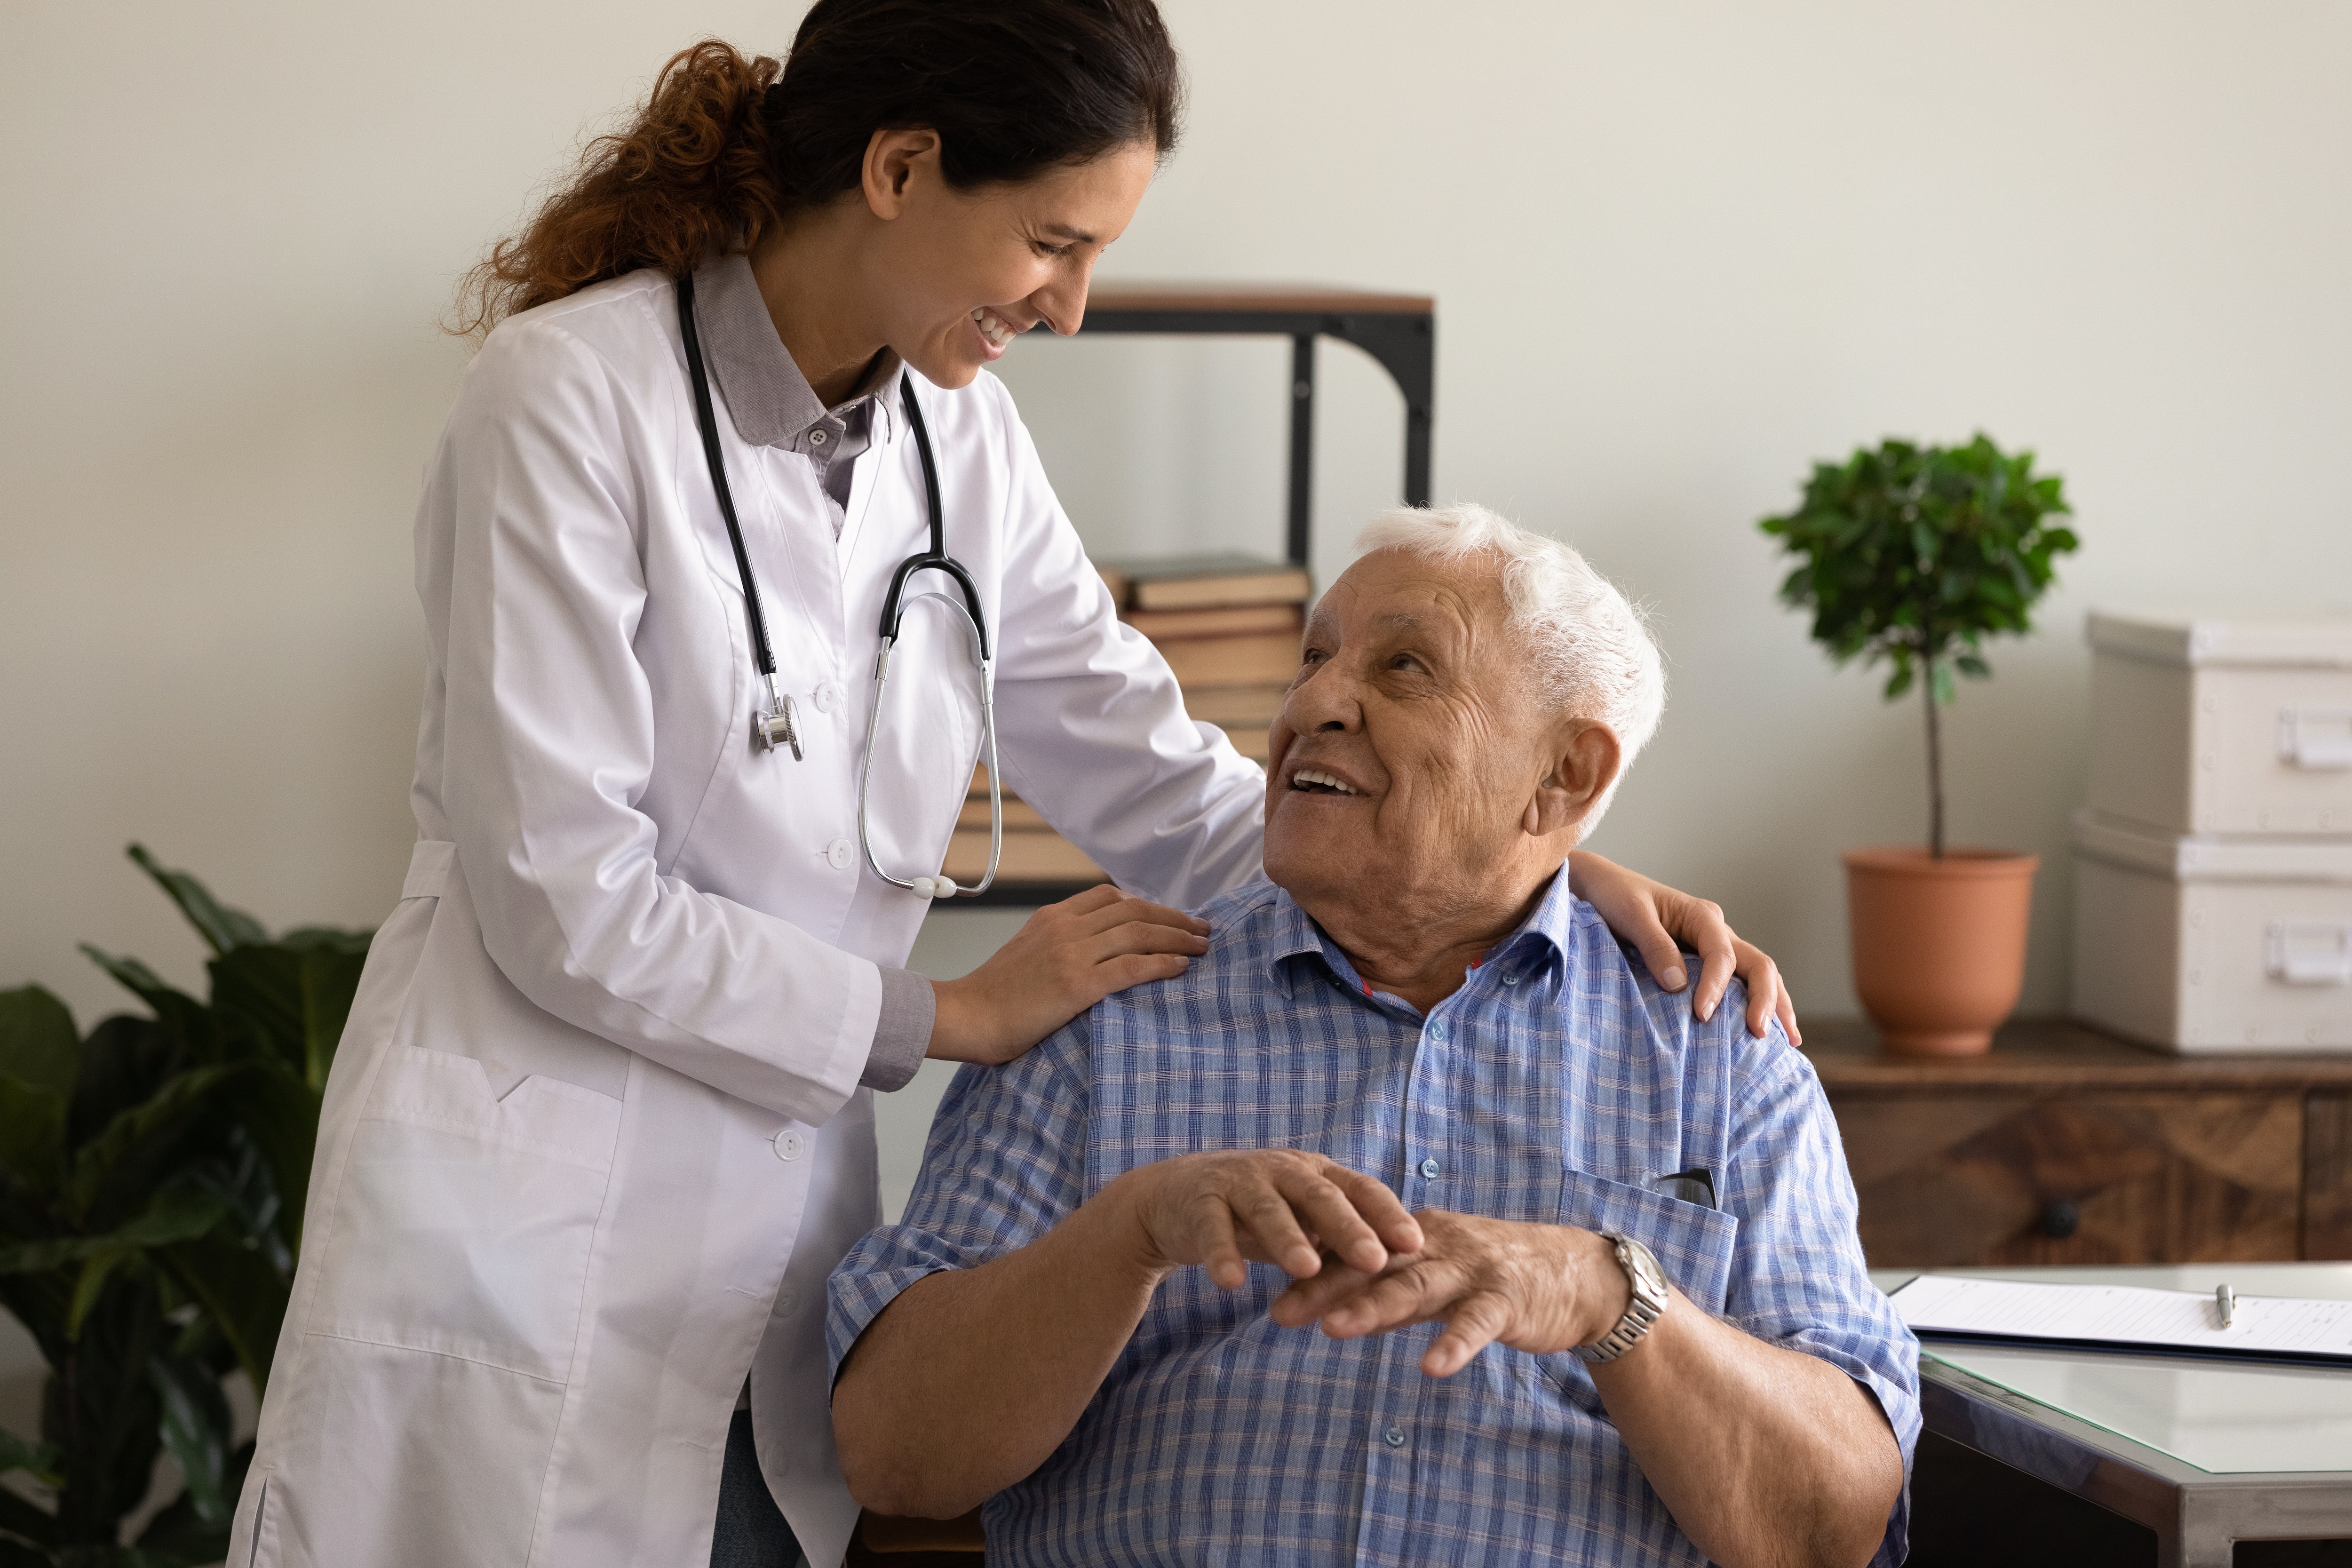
726	146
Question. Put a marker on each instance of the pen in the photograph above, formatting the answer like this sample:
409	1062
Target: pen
2226	1300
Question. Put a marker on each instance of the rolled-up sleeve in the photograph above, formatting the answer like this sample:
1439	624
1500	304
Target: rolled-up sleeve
1005	1162
1798	1278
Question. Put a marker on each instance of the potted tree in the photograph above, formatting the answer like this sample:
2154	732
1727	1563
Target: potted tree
1911	556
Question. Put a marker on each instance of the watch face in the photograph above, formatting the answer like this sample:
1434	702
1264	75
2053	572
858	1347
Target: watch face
1645	1267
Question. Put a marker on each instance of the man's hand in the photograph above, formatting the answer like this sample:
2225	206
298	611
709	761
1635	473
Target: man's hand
1265	1205
1068	957
1660	923
1542	1288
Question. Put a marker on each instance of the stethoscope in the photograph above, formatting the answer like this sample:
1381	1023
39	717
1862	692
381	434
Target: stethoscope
778	724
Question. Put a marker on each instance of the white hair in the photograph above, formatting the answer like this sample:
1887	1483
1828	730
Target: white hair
1590	653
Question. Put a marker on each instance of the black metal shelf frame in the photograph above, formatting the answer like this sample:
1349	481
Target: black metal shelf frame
1404	343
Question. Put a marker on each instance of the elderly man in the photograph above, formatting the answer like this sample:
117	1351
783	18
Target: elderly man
1625	1318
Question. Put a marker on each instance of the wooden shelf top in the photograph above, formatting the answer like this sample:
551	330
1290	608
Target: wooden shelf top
1271	298
2041	1055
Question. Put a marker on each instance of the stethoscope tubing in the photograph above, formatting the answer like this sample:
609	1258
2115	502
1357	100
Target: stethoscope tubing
781	720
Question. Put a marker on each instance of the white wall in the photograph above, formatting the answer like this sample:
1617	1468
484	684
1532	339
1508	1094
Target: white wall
1680	251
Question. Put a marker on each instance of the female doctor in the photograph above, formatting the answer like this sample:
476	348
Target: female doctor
599	1124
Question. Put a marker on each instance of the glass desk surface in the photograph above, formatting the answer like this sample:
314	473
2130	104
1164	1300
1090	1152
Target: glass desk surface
2223	1418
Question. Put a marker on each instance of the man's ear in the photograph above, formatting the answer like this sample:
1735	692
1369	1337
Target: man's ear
891	159
1585	760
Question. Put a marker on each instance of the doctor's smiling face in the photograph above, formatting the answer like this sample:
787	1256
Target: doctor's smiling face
1415	772
962	272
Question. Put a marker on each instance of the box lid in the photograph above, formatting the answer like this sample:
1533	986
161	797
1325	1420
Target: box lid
2205	857
2322	638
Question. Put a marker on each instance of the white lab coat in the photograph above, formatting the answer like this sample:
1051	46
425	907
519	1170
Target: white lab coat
594	1139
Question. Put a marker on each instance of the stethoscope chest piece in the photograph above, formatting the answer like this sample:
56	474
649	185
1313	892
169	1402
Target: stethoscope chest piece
779	725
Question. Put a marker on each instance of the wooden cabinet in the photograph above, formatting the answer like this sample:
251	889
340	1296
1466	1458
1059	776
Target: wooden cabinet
2067	1146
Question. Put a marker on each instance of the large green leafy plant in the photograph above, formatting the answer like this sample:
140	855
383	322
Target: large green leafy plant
1914	555
151	1176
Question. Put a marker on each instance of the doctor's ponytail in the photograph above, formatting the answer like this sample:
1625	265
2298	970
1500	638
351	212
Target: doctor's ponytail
726	147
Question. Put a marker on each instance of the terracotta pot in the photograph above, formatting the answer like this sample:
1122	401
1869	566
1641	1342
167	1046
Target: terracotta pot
1938	945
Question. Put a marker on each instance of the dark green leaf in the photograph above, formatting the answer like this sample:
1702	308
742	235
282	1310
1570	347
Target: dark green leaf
282	1116
220	927
196	1431
292	1001
175	1215
123	1062
38	1460
38	1046
174	1008
28	1530
137	1146
31	1136
240	1291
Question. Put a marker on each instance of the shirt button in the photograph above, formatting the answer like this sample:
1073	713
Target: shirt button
816	437
1429	1169
837	854
1393	1436
1438	1029
1510	980
789	1144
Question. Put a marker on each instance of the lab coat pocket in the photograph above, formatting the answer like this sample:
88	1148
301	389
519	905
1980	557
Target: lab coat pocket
1693	1245
465	1221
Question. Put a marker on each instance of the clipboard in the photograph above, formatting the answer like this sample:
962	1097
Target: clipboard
2128	1320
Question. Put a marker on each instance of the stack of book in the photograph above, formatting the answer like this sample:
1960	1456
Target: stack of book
1228	626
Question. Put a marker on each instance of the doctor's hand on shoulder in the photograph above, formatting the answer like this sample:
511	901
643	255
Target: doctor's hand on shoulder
1067	958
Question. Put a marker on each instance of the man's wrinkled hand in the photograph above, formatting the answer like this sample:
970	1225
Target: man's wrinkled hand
1660	922
1226	1210
1542	1288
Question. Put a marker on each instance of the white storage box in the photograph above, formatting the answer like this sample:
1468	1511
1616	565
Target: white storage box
2223	726
2212	945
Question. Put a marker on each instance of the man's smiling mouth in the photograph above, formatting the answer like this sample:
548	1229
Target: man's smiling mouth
1314	782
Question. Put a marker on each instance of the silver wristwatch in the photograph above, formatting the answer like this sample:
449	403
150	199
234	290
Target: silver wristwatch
1649	1282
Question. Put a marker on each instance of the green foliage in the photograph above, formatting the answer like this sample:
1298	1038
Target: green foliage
150	1184
1914	555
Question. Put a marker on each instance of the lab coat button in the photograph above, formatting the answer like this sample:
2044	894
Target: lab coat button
837	854
828	696
786	1303
788	1144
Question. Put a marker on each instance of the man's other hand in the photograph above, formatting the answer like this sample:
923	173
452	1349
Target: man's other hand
1282	1206
1543	1289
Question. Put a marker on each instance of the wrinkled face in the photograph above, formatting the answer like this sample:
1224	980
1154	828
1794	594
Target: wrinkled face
966	271
1404	759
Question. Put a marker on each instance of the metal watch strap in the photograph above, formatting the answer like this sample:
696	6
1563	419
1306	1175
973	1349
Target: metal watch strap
1649	1302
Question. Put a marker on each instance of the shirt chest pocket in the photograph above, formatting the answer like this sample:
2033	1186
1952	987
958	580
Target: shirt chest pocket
1692	1243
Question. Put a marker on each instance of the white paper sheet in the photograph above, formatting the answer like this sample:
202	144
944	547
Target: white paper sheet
2126	1315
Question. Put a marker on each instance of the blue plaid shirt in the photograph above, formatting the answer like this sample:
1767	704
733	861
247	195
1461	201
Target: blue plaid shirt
1559	1086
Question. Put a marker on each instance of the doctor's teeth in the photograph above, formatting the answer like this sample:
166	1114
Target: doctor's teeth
993	326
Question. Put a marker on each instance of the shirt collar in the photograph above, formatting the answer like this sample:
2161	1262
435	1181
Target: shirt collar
1544	934
770	400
